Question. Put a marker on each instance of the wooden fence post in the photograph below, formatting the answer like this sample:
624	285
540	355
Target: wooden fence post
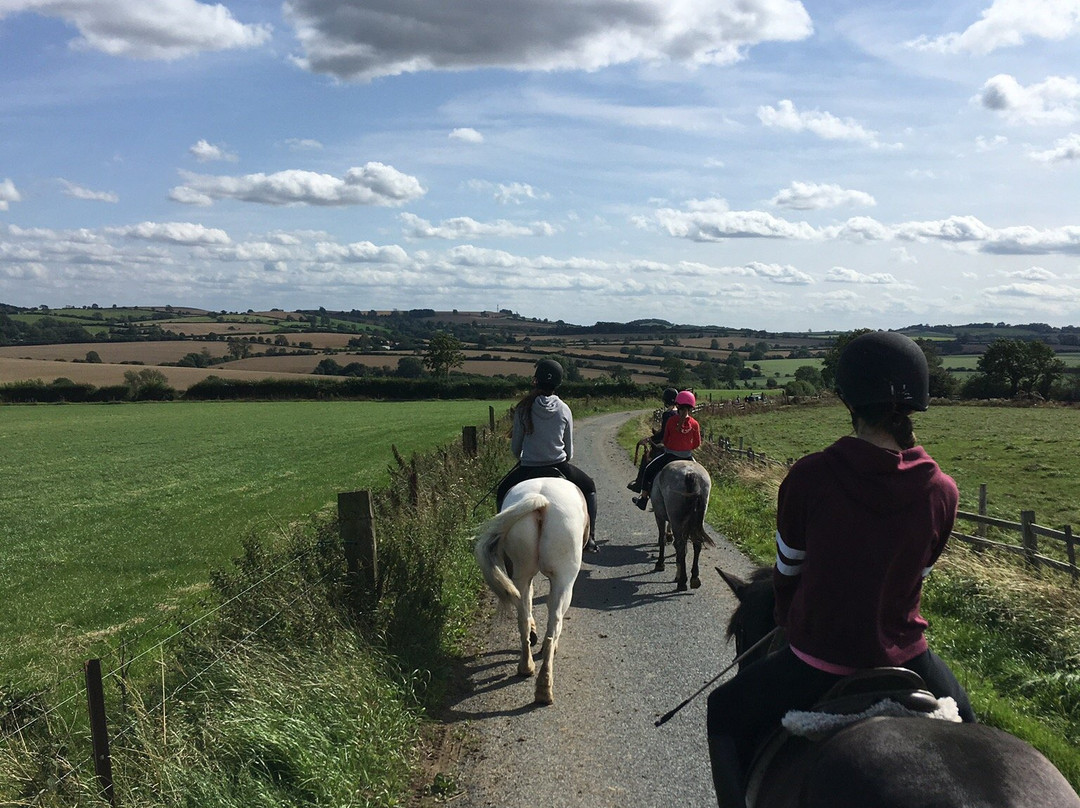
491	418
1070	548
1031	541
99	730
356	526
468	441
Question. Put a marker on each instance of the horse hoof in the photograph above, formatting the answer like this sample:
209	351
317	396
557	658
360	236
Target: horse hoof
680	586
695	583
533	639
659	566
544	699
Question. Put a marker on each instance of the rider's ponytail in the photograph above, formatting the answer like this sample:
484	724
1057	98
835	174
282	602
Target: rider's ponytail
523	409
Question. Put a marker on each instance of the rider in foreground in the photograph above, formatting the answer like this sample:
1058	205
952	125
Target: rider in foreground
543	439
859	526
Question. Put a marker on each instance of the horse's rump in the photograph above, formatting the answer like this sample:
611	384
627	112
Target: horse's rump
913	763
684	487
492	534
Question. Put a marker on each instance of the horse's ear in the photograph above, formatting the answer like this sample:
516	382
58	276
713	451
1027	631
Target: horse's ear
737	584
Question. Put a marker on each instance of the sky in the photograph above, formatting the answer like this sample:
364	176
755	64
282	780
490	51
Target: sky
767	164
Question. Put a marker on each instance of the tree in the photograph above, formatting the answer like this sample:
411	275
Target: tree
443	353
148	384
93	357
811	375
1023	366
238	348
675	369
410	367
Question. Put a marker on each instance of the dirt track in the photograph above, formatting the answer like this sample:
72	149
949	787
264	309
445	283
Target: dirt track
632	649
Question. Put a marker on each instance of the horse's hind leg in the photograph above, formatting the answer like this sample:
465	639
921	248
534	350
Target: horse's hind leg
695	580
526	628
660	548
558	602
680	562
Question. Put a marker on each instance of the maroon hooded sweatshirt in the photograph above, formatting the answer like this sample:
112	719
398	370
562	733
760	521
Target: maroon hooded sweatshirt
858	529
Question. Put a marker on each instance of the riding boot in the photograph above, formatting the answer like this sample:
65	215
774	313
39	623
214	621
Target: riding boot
590	506
726	772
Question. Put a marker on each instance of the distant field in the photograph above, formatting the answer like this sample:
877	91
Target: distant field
111	513
18	370
148	353
1027	457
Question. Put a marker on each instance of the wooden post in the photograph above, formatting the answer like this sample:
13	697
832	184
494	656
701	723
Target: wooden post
1070	548
491	418
356	526
1031	541
99	730
468	441
980	528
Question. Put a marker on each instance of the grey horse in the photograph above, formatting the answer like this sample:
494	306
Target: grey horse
680	497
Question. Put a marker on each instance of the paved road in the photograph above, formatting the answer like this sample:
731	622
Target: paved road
632	648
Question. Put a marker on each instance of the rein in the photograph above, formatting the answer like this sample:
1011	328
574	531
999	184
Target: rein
671	713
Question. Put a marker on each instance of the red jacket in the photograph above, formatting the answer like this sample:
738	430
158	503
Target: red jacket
681	438
858	528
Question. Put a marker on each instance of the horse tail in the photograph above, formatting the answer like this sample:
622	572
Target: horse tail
695	518
487	552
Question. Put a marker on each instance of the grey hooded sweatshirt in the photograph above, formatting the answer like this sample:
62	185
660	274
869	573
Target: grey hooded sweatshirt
552	438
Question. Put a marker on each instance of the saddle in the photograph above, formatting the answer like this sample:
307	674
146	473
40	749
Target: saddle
876	691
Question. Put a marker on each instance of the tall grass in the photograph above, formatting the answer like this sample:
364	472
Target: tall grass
1011	634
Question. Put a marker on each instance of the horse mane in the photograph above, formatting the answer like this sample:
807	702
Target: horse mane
750	593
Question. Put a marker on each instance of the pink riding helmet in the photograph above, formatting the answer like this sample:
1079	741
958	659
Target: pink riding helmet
685	397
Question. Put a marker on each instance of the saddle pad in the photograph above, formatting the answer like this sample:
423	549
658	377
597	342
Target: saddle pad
815	726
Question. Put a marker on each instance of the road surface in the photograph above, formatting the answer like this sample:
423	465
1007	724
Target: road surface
632	648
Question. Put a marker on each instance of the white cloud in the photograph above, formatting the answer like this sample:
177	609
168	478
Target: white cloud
508	193
811	196
463	227
1033	274
1040	291
844	275
1008	23
371	184
206	152
1066	149
984	144
147	29
8	194
361	40
823	124
466	135
78	192
710	220
1053	101
304	144
173	233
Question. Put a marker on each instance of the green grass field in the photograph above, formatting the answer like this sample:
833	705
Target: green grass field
1026	457
111	513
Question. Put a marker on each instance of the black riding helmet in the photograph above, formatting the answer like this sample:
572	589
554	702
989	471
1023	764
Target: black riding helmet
883	367
669	396
548	374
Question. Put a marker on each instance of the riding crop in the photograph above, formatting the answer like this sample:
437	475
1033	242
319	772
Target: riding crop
671	713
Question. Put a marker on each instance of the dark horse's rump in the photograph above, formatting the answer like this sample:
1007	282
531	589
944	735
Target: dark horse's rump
896	762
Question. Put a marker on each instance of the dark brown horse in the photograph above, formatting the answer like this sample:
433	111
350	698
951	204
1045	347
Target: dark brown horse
893	762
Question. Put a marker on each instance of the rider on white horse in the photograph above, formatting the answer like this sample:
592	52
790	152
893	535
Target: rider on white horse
543	441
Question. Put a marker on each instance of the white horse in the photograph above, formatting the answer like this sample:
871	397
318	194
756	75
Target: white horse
680	498
542	527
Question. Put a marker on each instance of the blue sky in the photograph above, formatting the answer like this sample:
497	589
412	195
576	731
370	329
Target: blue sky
753	163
